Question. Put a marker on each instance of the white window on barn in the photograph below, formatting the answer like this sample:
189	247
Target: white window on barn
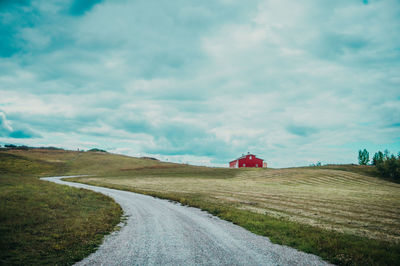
244	165
250	157
256	165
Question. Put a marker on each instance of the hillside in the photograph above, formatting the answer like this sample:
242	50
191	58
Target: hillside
345	198
42	223
107	164
341	212
329	199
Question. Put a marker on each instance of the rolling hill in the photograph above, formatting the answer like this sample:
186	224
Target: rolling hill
343	213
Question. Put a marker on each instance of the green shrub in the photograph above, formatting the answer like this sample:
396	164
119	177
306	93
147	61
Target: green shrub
387	165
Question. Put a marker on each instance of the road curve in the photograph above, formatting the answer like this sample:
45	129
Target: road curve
159	232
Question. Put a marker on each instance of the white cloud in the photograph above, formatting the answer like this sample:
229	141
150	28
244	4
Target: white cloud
203	83
5	126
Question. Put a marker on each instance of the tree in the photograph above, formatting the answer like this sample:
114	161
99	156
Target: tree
378	158
393	167
388	165
97	150
363	157
386	154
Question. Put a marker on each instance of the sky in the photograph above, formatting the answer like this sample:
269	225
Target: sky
202	82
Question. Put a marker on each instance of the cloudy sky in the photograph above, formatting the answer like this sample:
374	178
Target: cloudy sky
202	82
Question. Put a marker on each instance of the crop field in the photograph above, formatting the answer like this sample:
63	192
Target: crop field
329	199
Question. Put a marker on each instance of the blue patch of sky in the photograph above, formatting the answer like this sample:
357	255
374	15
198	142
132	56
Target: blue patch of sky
392	147
12	18
79	7
303	131
19	134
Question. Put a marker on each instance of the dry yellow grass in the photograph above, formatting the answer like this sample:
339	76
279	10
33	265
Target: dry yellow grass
330	199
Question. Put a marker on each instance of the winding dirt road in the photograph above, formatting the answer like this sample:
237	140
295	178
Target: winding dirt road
159	232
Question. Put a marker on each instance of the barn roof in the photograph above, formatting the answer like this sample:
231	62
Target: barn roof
244	156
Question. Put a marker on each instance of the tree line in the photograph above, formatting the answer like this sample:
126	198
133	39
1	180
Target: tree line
24	147
388	165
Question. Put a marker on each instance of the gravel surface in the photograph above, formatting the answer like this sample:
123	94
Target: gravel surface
159	232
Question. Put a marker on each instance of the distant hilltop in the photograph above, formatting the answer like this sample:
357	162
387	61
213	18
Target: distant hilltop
24	147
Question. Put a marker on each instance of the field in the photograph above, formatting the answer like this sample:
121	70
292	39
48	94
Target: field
42	223
343	213
329	199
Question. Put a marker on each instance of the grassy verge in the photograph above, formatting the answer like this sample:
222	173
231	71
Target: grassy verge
338	248
42	223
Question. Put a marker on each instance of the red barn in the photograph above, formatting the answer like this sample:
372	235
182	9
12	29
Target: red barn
249	160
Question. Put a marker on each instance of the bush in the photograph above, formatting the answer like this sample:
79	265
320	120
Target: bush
378	158
387	165
97	150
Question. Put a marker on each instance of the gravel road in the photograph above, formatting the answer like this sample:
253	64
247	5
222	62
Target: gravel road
159	232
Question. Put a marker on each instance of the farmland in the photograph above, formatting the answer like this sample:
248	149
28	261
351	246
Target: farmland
343	213
329	199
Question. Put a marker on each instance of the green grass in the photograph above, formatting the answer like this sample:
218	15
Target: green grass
343	213
335	247
14	164
42	223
